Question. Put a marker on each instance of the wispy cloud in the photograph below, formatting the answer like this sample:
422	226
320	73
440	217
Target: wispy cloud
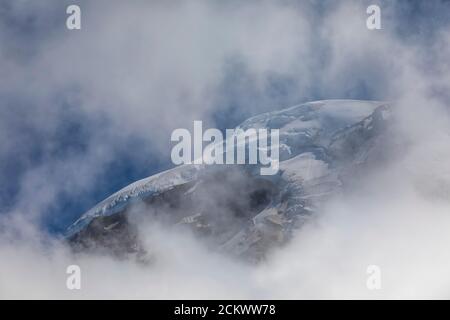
134	68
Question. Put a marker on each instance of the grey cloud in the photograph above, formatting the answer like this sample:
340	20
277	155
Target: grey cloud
142	69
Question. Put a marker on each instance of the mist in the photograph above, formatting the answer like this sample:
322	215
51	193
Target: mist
133	68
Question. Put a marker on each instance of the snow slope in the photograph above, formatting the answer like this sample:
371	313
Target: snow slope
320	142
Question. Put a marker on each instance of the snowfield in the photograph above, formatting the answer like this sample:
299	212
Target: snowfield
320	143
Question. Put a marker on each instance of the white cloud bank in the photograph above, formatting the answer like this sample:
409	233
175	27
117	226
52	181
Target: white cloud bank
141	65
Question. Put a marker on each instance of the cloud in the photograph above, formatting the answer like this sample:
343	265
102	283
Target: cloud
138	71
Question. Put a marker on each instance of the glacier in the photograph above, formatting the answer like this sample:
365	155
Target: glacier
322	143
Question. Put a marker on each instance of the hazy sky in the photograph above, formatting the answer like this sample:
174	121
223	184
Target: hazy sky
84	113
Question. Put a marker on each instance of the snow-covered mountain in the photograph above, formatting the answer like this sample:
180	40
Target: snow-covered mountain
237	210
